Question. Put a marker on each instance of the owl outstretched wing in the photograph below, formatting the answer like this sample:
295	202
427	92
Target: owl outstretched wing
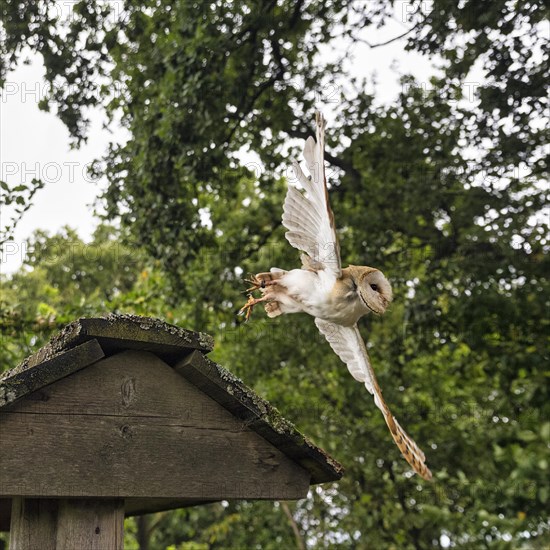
348	344
308	217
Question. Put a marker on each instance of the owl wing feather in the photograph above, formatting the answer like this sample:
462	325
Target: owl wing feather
308	217
348	344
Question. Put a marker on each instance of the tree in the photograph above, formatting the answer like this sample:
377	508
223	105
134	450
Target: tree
18	199
62	278
461	354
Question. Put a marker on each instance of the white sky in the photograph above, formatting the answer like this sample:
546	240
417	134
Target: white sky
34	143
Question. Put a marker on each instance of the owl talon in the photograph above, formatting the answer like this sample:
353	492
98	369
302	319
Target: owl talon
258	283
246	310
255	282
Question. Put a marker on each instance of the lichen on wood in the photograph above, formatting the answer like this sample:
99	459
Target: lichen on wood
134	330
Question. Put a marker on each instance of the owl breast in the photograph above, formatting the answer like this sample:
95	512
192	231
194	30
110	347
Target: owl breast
320	295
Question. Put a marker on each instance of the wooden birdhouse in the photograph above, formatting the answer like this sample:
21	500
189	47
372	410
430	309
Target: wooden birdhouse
125	415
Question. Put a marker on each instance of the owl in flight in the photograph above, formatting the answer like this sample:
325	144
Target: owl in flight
336	297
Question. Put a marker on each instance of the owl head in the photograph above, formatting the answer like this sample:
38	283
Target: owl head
373	288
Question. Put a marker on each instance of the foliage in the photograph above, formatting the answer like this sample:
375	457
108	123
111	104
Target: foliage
19	198
62	278
441	190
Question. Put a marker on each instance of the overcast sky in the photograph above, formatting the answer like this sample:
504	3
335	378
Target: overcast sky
35	144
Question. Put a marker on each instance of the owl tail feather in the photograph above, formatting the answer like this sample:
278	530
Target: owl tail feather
409	449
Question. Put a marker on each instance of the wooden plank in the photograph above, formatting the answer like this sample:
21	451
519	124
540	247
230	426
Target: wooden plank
17	384
258	415
132	422
143	458
33	524
117	332
129	384
90	525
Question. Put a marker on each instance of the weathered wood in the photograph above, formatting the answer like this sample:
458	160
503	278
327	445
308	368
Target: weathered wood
16	384
90	525
258	415
50	524
143	532
33	524
130	426
117	332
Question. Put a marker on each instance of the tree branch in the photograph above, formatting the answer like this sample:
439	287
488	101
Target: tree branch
394	39
297	535
380	44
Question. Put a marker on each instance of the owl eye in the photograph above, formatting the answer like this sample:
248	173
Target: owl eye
374	287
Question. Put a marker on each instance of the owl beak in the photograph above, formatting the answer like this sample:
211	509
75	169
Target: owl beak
367	305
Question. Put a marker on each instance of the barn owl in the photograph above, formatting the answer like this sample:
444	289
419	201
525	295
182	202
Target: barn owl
336	297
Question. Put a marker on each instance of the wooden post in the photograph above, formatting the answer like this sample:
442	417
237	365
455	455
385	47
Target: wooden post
33	523
143	534
66	524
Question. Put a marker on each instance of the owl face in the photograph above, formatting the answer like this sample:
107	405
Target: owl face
375	291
